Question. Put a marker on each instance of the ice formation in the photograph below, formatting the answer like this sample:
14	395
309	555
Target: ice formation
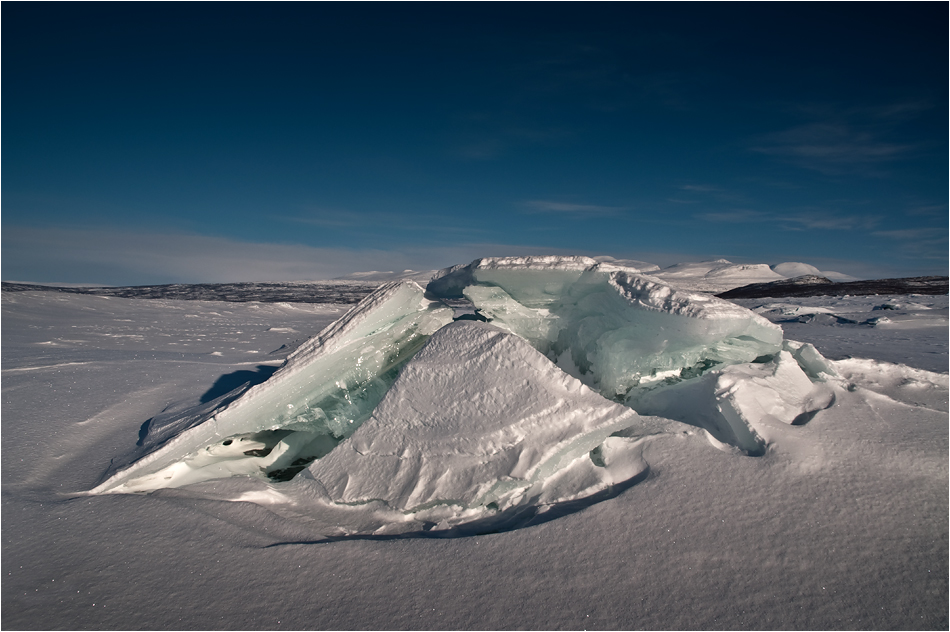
612	328
324	391
396	409
736	404
478	419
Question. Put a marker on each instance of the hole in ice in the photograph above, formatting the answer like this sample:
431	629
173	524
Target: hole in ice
473	316
597	457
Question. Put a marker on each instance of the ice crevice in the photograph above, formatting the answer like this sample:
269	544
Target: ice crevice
424	418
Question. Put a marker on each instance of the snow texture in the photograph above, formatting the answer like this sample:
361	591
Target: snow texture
478	419
840	523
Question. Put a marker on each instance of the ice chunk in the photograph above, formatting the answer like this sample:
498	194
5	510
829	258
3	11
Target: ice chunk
613	327
540	279
737	404
813	363
321	395
479	422
631	264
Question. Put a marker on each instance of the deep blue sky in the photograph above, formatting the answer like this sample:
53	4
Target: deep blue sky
147	143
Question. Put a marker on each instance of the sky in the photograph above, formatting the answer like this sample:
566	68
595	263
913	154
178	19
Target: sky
216	142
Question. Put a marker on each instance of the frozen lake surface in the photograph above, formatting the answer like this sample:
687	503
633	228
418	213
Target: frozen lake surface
842	526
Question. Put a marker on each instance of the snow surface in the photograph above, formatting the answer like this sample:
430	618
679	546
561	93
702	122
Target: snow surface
906	329
842	523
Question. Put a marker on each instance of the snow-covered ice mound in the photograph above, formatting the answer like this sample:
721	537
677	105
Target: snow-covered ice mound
478	418
395	418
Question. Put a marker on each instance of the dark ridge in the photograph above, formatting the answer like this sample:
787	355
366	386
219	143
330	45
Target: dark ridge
820	286
231	292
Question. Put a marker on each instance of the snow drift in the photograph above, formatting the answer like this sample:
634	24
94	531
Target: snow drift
395	418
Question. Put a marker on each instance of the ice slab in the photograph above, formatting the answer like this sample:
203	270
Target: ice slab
323	392
613	328
738	405
479	423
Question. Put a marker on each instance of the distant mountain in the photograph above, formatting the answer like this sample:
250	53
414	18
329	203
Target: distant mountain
792	269
295	292
716	276
812	285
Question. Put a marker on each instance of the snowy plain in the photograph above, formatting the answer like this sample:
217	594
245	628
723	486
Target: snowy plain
842	525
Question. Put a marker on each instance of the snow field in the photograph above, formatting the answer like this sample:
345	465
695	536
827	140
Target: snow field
482	429
841	523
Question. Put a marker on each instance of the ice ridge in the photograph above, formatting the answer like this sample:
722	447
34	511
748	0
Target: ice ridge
397	418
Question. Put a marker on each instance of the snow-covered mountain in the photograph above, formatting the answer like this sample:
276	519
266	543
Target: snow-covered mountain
722	275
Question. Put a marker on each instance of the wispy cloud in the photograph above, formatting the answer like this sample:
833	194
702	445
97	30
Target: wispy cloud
358	221
858	140
886	113
894	112
812	220
736	217
129	257
907	233
700	188
483	149
828	221
121	257
922	243
332	218
548	206
832	148
705	192
928	210
482	136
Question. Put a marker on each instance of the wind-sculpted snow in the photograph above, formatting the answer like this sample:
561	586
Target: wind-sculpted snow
455	439
397	419
738	404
